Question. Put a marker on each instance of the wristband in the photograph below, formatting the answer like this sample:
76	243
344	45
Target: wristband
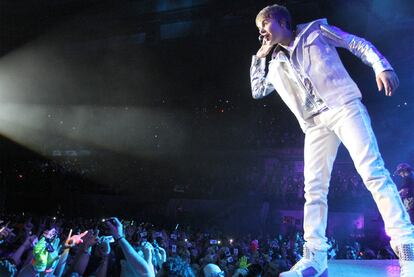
118	239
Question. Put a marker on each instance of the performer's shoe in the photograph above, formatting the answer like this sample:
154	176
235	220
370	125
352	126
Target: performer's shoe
313	264
406	254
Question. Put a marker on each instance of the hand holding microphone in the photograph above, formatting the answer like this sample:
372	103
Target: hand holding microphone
261	38
265	48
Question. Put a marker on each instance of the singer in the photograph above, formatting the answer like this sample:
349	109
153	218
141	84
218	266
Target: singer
307	73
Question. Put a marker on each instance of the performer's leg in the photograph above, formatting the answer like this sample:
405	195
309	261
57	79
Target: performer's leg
353	127
321	146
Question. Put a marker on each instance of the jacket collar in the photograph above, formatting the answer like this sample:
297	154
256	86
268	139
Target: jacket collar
300	30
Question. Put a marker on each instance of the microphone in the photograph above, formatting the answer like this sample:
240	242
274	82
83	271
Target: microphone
261	37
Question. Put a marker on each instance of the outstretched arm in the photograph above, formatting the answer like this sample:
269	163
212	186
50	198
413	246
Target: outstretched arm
69	243
385	76
132	257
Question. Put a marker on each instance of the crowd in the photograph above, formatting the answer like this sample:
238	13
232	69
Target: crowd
270	178
208	178
113	247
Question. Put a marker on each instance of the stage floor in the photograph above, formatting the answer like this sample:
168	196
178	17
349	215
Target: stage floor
364	268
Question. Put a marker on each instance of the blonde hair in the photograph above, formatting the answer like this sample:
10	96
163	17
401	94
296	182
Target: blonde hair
276	12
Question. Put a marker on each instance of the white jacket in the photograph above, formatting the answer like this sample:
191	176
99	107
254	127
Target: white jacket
314	57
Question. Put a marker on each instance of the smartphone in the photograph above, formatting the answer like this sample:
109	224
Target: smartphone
108	238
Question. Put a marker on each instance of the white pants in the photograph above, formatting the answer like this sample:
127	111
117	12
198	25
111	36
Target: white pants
351	125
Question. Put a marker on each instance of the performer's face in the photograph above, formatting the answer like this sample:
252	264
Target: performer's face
274	31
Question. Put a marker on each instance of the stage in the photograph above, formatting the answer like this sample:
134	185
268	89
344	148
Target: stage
364	268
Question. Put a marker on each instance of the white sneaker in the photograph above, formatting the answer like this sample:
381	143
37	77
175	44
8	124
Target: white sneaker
313	264
406	254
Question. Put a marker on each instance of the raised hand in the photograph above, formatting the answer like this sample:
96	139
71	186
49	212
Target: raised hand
115	227
104	245
147	249
243	263
160	255
264	49
74	240
90	239
28	227
4	232
30	241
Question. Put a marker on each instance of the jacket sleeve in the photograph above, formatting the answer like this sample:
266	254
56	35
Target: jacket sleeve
360	47
260	85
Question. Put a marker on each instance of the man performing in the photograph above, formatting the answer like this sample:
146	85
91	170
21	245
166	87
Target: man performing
405	171
307	73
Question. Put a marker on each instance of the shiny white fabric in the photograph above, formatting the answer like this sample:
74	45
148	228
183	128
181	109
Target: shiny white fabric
314	57
351	125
